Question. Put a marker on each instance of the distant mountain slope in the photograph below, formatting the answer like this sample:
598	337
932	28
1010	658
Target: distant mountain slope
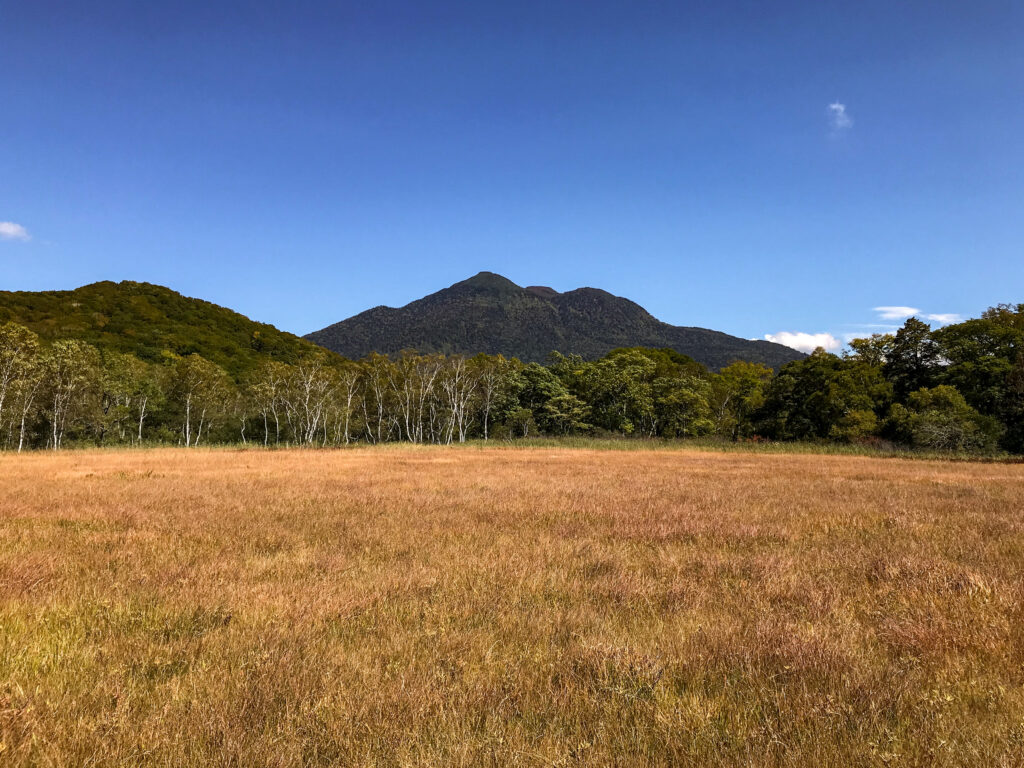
147	319
489	313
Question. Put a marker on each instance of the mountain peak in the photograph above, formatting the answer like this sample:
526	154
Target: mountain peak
543	291
491	314
488	281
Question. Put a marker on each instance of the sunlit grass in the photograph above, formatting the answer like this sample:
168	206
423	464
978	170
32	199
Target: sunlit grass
495	606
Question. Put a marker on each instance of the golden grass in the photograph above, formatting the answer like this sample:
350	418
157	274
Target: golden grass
432	606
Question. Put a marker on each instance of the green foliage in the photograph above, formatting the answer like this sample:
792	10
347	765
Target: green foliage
873	350
565	414
201	391
620	389
520	423
682	406
985	362
70	384
668	362
131	390
69	392
823	397
19	350
1012	415
939	418
146	320
912	359
737	392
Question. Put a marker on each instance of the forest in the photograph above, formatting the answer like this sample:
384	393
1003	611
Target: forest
959	388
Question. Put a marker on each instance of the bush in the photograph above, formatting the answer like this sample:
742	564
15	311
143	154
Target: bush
854	426
940	419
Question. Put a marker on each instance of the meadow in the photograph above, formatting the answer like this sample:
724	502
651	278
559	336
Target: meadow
465	606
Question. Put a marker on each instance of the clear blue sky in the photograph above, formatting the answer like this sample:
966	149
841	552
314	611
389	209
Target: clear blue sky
752	167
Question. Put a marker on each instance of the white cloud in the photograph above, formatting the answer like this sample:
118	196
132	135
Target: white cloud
897	313
944	318
902	313
11	231
838	117
805	342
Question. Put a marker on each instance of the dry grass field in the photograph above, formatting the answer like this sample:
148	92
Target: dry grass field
504	607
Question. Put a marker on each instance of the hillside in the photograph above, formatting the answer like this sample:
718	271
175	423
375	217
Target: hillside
489	313
146	319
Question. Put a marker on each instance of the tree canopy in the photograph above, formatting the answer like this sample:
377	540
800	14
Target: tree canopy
958	388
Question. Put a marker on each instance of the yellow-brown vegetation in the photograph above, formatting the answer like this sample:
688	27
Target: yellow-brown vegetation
468	606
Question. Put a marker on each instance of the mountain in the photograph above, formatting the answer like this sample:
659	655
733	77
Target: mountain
146	319
489	313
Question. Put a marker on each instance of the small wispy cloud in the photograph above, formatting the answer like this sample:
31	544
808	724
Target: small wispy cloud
838	117
902	313
897	313
944	318
11	231
805	342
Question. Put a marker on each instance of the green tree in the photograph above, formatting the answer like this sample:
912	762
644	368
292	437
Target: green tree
913	358
982	360
201	391
566	414
130	392
71	371
500	385
681	405
939	418
620	391
667	362
824	397
736	394
873	350
538	385
19	357
520	422
1013	415
266	387
377	398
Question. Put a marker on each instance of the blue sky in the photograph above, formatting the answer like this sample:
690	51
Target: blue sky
758	168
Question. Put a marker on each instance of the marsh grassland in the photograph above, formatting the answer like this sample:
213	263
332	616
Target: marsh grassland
503	607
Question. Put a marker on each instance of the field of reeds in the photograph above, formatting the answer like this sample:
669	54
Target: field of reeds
403	606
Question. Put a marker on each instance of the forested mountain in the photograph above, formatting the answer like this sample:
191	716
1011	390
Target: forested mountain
489	313
146	320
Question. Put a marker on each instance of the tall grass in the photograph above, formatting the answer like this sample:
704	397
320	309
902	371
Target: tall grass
493	606
717	444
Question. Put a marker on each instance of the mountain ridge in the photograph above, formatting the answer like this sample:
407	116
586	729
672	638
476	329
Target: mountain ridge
491	314
484	313
146	319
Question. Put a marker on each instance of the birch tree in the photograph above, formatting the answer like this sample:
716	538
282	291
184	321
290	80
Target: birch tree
70	369
19	353
459	385
200	388
23	397
376	397
267	389
348	377
308	392
495	377
412	379
129	387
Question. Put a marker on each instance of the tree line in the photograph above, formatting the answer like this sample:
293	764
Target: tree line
957	388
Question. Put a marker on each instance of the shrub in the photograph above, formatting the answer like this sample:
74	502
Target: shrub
939	418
